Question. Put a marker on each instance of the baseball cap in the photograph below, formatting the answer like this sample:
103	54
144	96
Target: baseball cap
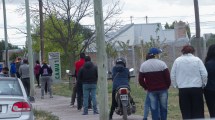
154	51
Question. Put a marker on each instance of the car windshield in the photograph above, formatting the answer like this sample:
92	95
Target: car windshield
10	87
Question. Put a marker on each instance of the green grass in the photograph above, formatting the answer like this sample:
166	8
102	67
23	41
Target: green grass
138	95
42	115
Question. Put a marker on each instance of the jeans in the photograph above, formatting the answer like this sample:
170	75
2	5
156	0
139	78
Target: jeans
44	80
146	107
26	84
210	98
89	89
158	101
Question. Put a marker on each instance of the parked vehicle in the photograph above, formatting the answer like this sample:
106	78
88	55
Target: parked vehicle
14	103
125	103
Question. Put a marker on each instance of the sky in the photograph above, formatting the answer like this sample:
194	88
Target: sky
157	11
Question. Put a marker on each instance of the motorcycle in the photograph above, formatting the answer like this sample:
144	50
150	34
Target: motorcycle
126	105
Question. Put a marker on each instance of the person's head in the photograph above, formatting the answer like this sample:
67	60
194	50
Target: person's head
153	52
87	58
121	61
44	62
37	62
188	49
25	61
82	55
19	59
210	53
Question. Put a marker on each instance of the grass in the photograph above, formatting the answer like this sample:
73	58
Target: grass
138	95
42	115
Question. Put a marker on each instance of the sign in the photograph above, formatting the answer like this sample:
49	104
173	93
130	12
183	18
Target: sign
54	62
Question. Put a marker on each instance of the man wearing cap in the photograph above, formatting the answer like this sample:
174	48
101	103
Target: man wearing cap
155	78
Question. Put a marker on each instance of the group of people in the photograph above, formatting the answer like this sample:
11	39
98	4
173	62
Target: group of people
193	78
86	75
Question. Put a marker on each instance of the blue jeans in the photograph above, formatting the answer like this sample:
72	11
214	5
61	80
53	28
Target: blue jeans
146	107
158	99
89	89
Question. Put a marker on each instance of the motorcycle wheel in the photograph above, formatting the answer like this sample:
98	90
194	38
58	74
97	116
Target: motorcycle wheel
125	114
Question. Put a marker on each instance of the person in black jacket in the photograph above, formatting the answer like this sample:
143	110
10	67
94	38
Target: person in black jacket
209	90
88	75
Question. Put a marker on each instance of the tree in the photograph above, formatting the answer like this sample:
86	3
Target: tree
2	47
211	40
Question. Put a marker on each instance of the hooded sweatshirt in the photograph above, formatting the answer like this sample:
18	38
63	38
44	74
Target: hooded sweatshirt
88	74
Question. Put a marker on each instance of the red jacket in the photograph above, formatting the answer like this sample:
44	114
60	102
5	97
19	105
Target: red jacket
78	65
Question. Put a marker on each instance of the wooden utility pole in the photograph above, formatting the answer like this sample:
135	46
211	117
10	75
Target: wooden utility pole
101	61
198	39
41	29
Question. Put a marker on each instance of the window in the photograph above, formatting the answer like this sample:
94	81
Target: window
10	87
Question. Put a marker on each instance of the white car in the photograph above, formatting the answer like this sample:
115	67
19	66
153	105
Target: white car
14	103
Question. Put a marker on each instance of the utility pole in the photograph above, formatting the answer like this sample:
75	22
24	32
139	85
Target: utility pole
146	19
198	39
41	29
30	53
101	60
5	35
131	18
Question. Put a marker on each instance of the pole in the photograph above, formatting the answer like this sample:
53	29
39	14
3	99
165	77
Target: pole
41	29
101	60
198	40
30	53
5	34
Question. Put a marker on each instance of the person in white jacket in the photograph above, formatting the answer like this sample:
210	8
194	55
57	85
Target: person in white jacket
189	75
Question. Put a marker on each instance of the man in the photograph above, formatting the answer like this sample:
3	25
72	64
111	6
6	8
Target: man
88	75
18	64
78	65
189	75
154	77
25	76
46	73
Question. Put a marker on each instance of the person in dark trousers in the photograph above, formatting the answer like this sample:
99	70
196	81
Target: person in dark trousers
209	90
120	76
37	72
25	76
13	69
88	75
46	73
189	75
18	64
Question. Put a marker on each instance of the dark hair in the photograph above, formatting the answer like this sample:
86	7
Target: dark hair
188	49
87	58
82	55
19	58
37	61
5	68
25	61
211	53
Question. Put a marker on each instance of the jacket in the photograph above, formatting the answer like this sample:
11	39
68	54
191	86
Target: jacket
46	70
78	65
188	71
24	71
12	68
120	76
210	67
88	74
37	69
154	75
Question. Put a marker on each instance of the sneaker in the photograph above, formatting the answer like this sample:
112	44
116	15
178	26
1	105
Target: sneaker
42	97
79	110
96	113
71	105
84	113
51	96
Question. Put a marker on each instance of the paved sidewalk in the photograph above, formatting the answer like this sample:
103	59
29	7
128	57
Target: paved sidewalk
59	106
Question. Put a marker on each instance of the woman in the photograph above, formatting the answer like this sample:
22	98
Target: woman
37	72
189	75
209	91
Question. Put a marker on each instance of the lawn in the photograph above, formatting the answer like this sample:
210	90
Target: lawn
138	94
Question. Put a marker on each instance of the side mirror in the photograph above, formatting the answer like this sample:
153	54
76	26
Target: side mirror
67	71
131	69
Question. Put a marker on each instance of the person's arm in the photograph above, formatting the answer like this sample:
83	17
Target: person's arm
203	73
141	80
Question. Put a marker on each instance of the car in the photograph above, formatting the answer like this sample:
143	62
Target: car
14	102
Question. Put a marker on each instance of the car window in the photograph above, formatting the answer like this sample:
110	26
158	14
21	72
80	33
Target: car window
10	87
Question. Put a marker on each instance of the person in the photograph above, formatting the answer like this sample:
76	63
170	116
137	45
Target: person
18	64
46	73
13	69
25	76
74	90
189	75
155	78
209	90
78	65
88	75
4	72
37	72
120	76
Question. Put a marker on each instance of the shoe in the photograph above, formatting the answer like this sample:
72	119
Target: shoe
79	110
51	96
84	113
71	105
42	97
96	113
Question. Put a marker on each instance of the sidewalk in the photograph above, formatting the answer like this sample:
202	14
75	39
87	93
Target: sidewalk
59	106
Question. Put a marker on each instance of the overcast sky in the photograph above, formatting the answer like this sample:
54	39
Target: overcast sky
158	11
